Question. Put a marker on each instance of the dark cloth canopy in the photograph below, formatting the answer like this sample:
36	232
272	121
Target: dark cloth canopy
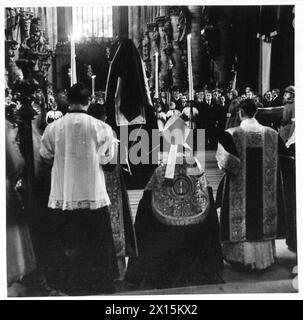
128	65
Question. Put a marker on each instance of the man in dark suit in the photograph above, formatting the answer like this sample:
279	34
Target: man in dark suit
276	98
211	110
176	98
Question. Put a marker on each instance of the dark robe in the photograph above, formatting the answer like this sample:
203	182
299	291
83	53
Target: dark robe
178	234
202	121
178	103
276	102
119	209
213	122
288	171
287	123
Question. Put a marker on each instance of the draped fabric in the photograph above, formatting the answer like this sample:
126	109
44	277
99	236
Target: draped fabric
266	64
268	28
127	80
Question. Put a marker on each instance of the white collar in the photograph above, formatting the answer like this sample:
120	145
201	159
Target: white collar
251	122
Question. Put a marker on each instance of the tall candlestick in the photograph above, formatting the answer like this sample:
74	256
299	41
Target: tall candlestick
73	78
93	85
190	70
156	75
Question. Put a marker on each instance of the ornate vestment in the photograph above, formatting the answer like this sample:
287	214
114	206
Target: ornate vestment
119	209
177	233
250	202
250	195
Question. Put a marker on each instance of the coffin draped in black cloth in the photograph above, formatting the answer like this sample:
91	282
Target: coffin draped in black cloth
175	255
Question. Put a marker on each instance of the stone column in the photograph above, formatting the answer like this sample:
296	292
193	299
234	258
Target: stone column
178	70
196	43
122	22
226	56
136	26
64	18
146	46
130	22
155	39
160	20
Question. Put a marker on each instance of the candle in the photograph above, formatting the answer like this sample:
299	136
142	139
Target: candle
73	78
93	85
156	75
190	70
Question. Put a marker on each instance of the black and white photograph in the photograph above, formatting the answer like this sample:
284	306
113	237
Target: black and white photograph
150	149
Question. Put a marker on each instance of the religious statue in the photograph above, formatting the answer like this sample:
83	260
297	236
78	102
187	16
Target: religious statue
156	37
25	22
35	54
89	71
167	37
146	47
183	27
10	48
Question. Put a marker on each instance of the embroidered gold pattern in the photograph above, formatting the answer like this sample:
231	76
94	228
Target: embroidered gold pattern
113	187
270	162
267	140
185	202
227	161
237	191
74	205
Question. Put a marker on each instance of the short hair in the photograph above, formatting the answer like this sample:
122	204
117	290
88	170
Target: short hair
78	93
97	110
234	93
249	107
276	90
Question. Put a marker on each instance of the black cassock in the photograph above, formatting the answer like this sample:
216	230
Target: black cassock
177	233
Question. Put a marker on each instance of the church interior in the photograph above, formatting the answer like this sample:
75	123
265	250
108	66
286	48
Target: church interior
230	53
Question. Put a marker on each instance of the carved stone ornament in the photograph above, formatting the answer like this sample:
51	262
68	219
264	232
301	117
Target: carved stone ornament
34	53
